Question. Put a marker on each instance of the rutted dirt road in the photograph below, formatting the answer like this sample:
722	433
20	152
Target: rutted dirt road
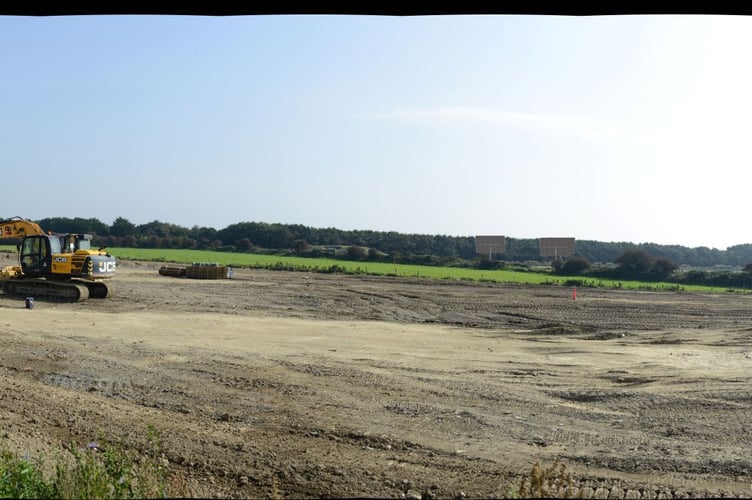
277	384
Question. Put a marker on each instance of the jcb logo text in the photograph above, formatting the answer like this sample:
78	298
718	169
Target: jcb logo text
106	267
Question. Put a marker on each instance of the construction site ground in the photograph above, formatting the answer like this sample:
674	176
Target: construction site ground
280	384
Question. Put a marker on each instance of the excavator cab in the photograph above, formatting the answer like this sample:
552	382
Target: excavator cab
36	254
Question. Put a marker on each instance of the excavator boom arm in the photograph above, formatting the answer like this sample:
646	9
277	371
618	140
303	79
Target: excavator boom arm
17	227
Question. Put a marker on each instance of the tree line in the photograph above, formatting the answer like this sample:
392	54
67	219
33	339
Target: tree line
368	245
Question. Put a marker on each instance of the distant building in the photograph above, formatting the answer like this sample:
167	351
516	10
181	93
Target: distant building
490	245
556	247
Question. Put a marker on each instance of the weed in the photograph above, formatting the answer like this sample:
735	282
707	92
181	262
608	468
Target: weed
552	482
98	471
19	478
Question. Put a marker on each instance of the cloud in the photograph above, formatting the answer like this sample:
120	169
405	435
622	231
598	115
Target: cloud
551	123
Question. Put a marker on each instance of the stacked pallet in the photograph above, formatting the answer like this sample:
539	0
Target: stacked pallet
206	271
197	270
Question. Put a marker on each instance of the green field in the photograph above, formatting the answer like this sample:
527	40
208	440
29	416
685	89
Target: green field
275	262
381	268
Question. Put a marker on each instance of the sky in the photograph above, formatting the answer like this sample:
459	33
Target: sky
623	128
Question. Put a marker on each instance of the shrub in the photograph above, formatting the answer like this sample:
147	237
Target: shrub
575	265
355	252
636	263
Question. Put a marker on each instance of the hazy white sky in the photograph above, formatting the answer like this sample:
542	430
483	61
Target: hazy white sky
614	128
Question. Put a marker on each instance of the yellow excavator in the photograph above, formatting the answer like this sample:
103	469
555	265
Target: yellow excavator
59	266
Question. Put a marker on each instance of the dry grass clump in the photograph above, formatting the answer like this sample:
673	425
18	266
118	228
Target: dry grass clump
551	482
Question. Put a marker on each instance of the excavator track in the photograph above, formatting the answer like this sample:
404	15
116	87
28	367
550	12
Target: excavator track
97	289
67	291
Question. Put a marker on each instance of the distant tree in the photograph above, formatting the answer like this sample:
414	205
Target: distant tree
662	268
301	246
122	227
575	265
739	255
244	244
485	262
636	263
374	255
522	249
556	264
161	229
204	236
75	225
130	241
748	268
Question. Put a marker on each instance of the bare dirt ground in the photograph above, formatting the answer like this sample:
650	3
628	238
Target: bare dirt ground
296	385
